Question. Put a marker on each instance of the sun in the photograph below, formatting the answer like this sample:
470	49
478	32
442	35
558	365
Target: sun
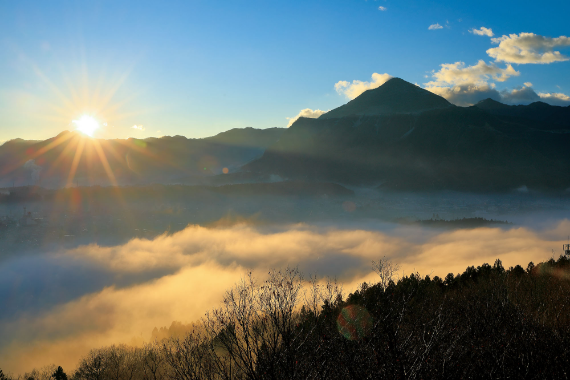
86	125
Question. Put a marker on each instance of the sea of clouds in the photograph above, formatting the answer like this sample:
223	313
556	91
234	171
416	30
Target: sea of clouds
59	305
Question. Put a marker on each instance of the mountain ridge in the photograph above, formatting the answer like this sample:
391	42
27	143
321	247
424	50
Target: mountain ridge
473	148
394	96
132	161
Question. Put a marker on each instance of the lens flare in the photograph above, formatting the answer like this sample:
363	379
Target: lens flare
354	322
86	125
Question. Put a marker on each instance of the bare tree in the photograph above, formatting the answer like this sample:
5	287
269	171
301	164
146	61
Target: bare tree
386	270
154	365
257	326
189	358
91	367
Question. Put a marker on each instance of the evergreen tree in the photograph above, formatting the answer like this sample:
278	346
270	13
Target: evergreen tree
59	374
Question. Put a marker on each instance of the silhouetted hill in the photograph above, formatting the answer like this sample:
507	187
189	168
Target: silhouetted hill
471	148
70	157
394	96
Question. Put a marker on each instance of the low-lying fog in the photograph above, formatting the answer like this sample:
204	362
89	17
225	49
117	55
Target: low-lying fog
61	297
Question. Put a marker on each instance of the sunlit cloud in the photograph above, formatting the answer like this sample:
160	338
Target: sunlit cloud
466	85
528	84
383	9
457	73
482	31
528	48
201	263
352	90
138	127
435	27
307	112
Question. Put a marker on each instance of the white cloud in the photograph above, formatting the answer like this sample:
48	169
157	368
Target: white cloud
307	112
482	31
456	74
138	127
555	98
435	26
352	90
528	84
528	48
381	8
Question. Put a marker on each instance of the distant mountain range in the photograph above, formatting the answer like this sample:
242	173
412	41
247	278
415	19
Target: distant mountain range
403	137
131	161
397	136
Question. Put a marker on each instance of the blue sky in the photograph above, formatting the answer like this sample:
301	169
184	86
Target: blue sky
196	68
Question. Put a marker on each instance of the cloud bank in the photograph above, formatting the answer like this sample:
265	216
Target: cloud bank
201	263
466	85
556	98
469	94
352	90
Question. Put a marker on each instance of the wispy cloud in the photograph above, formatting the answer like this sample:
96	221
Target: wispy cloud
527	48
352	90
383	9
435	26
482	31
307	112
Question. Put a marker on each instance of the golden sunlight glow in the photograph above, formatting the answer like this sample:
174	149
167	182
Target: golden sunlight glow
86	124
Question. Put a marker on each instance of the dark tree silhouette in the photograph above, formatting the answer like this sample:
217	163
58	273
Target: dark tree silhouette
59	374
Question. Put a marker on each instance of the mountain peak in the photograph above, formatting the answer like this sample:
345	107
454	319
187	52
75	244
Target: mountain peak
489	104
394	96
